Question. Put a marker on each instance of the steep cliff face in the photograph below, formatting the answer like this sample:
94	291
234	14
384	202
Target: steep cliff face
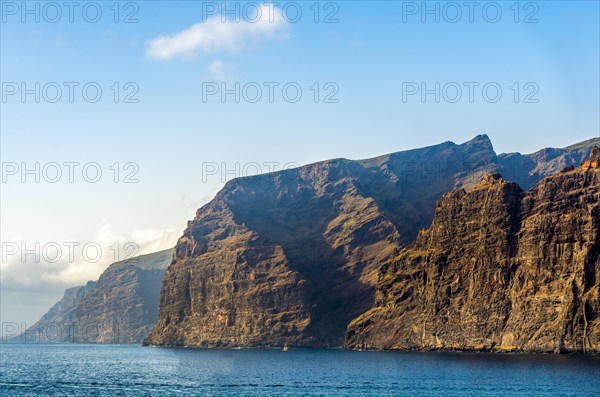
277	260
558	265
120	307
56	324
499	269
290	258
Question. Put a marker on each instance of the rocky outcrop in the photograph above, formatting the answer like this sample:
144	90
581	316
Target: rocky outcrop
498	269
529	169
290	258
120	307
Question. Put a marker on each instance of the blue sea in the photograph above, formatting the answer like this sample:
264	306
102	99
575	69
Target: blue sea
130	370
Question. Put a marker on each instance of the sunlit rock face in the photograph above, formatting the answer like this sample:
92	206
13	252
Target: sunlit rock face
291	257
499	269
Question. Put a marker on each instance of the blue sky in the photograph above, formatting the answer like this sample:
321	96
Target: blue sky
367	56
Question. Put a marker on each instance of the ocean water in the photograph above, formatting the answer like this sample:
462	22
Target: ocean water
129	370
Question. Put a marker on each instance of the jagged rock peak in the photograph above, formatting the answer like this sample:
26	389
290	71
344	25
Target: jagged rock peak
480	139
593	161
479	151
481	142
490	179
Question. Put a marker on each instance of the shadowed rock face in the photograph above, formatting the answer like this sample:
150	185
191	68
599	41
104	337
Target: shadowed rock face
290	258
499	269
55	325
529	169
120	307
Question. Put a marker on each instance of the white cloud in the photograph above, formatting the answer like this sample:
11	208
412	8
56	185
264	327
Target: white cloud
221	71
215	35
31	285
40	269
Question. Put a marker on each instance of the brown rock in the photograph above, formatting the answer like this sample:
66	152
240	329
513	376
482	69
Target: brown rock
499	269
594	161
120	307
290	258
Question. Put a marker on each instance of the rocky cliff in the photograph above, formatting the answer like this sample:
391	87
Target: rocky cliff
290	258
120	307
55	325
528	169
498	269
